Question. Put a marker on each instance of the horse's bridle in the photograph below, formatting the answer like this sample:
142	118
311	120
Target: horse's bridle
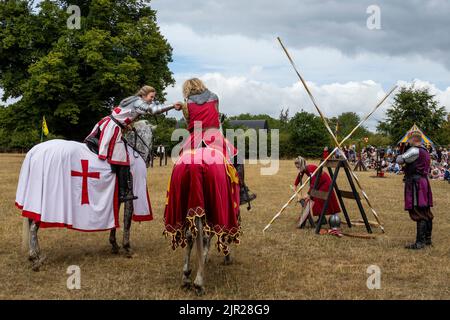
137	136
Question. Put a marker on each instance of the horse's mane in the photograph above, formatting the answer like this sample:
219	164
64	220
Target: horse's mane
140	139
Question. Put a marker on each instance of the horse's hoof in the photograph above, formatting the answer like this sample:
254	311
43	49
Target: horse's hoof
115	249
186	285
37	263
129	254
199	290
227	260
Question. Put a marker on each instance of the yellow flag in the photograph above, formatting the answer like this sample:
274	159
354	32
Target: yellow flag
44	126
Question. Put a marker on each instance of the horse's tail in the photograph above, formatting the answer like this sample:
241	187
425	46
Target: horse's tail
25	234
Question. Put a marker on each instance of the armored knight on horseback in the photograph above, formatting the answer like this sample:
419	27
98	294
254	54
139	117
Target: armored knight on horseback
203	194
202	106
106	137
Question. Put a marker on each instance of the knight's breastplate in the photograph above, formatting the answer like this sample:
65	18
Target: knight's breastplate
410	169
124	115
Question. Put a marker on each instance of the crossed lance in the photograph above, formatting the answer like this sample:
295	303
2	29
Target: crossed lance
337	143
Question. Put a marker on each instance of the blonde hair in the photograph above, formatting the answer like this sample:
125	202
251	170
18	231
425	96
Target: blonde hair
145	90
193	86
301	162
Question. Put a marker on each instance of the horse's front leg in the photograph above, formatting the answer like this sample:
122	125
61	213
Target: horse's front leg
112	240
227	260
35	251
206	245
187	260
128	214
199	283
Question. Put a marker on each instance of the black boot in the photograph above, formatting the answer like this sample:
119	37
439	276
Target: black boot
420	236
428	241
125	184
246	196
92	144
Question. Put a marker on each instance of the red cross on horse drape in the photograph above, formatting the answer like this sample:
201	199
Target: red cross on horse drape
85	174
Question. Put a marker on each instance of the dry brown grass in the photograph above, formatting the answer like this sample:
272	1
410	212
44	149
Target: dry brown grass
284	263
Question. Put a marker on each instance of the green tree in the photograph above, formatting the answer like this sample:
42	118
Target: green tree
349	120
74	76
163	132
272	122
308	135
379	140
443	137
284	117
413	105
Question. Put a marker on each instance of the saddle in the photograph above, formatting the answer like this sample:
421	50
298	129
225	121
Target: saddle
92	144
122	172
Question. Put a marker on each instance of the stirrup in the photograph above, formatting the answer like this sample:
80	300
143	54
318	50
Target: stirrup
245	199
127	198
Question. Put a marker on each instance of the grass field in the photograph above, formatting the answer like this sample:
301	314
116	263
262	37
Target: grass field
283	263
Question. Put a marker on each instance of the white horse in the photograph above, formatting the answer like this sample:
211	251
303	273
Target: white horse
140	149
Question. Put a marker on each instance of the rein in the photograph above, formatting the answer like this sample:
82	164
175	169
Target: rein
137	136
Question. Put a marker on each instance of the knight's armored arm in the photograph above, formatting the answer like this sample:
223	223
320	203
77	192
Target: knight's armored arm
400	159
157	109
143	107
411	155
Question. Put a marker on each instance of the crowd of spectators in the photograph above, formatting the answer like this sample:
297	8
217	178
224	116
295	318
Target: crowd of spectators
440	169
381	158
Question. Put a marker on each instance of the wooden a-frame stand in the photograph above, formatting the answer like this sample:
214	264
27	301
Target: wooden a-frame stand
337	164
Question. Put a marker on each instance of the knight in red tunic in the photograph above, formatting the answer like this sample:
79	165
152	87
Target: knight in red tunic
324	185
106	137
204	183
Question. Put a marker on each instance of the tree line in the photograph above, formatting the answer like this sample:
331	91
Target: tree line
74	76
305	134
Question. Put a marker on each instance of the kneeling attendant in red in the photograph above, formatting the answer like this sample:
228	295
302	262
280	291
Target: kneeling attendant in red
323	185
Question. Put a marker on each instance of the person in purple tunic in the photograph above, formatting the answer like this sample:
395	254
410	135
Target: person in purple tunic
418	195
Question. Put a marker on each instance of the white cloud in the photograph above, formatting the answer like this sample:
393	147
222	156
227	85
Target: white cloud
263	60
408	28
8	101
253	75
241	95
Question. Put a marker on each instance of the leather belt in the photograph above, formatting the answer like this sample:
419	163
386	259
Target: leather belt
117	122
